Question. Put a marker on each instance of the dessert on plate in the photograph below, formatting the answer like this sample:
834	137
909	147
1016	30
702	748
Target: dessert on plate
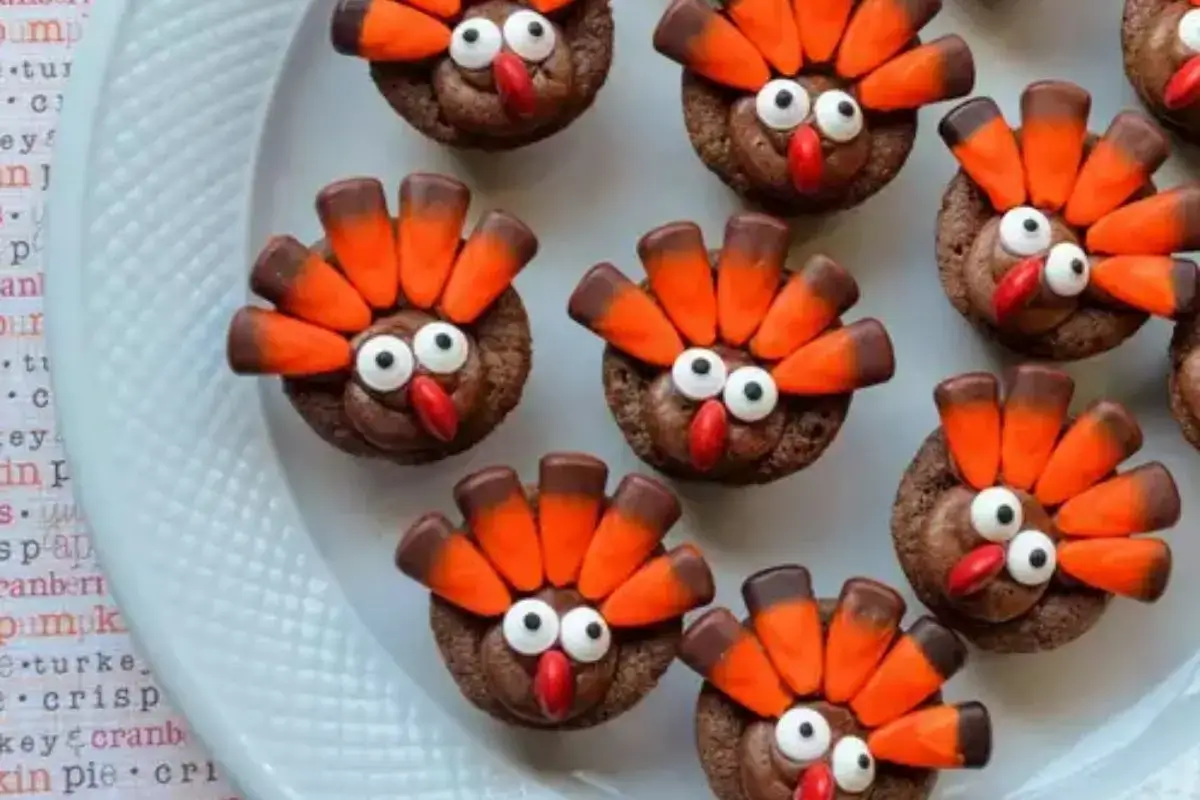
725	367
810	111
1012	522
394	337
481	74
1160	40
828	700
1053	240
556	606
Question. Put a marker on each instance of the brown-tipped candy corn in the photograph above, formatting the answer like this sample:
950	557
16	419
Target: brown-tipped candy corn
969	407
1054	117
262	342
922	660
1139	501
986	148
809	302
748	273
664	589
1034	411
616	309
355	217
941	737
499	248
1130	151
302	284
640	513
1102	437
862	629
693	34
878	30
787	621
676	261
941	70
771	26
499	517
384	30
434	555
445	9
821	24
1159	285
432	211
842	360
570	499
1135	568
730	658
1161	224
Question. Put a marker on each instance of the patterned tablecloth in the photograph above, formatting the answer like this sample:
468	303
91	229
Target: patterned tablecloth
80	713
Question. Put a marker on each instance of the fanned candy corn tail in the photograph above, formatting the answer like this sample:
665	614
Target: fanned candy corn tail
499	248
842	360
970	412
500	518
355	216
748	273
641	512
570	499
810	302
433	209
731	659
302	284
1034	411
1102	437
916	667
262	342
1054	117
613	307
693	34
940	70
787	621
665	588
676	261
1130	151
941	737
446	563
1135	568
865	623
1138	501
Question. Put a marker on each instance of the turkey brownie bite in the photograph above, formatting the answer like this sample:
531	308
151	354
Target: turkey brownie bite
395	339
556	607
828	700
811	111
1012	523
724	367
481	74
1160	40
1052	240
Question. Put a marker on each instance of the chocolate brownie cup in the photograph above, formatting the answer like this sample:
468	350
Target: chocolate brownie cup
1160	40
723	367
1012	523
811	111
828	700
395	338
1053	241
481	74
556	607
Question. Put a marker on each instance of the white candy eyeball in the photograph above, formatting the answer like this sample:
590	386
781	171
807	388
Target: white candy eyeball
530	35
475	43
782	104
698	374
853	765
1189	30
803	735
585	635
384	363
1024	231
1067	269
838	116
440	347
750	393
530	627
1032	558
996	514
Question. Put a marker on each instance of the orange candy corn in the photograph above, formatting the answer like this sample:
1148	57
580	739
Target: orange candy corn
809	303
433	209
878	30
748	273
641	512
681	277
921	661
731	659
841	360
446	562
693	34
941	737
384	30
262	342
304	285
787	621
665	588
937	71
1141	500
499	247
446	9
500	518
1034	411
1054	118
1102	437
1130	151
1135	568
570	499
821	23
863	627
549	6
985	147
1159	285
613	307
355	217
969	408
1161	224
770	25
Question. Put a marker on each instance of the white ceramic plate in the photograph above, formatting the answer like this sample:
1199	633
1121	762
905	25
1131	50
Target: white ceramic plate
255	563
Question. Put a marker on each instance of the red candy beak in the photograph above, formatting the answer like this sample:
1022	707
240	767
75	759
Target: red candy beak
706	436
554	685
816	783
1184	87
1018	286
805	160
975	570
434	407
514	85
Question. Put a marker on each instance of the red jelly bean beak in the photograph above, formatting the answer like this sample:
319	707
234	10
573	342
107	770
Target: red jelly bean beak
434	408
706	436
1018	287
514	84
805	159
975	570
554	685
1184	87
816	783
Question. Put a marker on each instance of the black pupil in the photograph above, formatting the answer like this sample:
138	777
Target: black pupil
806	729
1077	266
594	630
470	36
783	98
846	108
753	391
385	359
1031	225
701	366
1037	559
864	761
443	341
532	621
1004	514
536	29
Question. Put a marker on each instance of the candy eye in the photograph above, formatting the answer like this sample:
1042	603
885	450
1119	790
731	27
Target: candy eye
853	766
698	374
1067	269
1024	231
1032	558
384	363
1189	30
838	116
750	394
802	735
530	627
441	347
530	35
782	104
475	43
996	514
585	635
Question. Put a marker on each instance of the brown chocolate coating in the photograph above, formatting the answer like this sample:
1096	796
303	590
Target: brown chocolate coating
1153	52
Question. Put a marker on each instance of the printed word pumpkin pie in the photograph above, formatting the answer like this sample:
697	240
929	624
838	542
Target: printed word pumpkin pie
1160	40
